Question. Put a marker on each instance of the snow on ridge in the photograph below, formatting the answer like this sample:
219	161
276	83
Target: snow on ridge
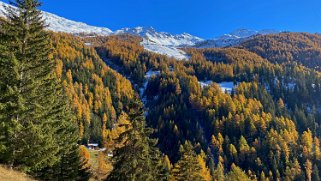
152	36
60	24
245	33
162	42
233	38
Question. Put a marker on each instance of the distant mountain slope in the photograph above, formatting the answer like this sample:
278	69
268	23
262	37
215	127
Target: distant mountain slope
60	24
233	38
303	48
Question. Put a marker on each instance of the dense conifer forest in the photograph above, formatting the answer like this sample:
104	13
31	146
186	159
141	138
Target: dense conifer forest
154	117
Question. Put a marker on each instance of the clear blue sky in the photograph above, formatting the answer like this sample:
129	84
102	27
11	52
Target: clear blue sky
203	18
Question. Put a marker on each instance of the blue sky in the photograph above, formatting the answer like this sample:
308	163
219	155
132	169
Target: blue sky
203	18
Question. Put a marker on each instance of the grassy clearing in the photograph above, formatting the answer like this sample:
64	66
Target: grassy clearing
11	175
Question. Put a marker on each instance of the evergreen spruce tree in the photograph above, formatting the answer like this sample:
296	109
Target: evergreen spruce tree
9	103
37	127
138	159
69	166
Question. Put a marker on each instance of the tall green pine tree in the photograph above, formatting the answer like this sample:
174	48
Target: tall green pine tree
9	103
37	127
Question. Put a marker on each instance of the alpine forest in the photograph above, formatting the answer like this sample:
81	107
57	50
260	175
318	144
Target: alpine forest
81	103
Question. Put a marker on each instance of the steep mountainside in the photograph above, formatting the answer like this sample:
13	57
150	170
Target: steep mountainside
261	115
98	94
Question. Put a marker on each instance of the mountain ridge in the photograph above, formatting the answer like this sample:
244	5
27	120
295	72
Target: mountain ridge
234	38
162	38
155	41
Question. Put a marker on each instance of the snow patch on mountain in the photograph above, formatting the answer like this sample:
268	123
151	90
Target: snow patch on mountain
60	24
172	52
162	42
148	76
233	38
161	38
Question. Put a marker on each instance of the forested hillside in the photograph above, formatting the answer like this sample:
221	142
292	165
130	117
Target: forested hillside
303	48
249	112
260	126
57	93
98	94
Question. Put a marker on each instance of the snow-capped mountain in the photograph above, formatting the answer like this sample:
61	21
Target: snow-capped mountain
233	38
162	42
161	38
158	42
60	24
244	33
154	41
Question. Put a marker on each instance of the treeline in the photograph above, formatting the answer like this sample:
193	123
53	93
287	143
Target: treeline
128	55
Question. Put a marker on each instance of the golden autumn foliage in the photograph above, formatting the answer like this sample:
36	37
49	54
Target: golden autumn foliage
253	126
96	92
303	48
84	158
